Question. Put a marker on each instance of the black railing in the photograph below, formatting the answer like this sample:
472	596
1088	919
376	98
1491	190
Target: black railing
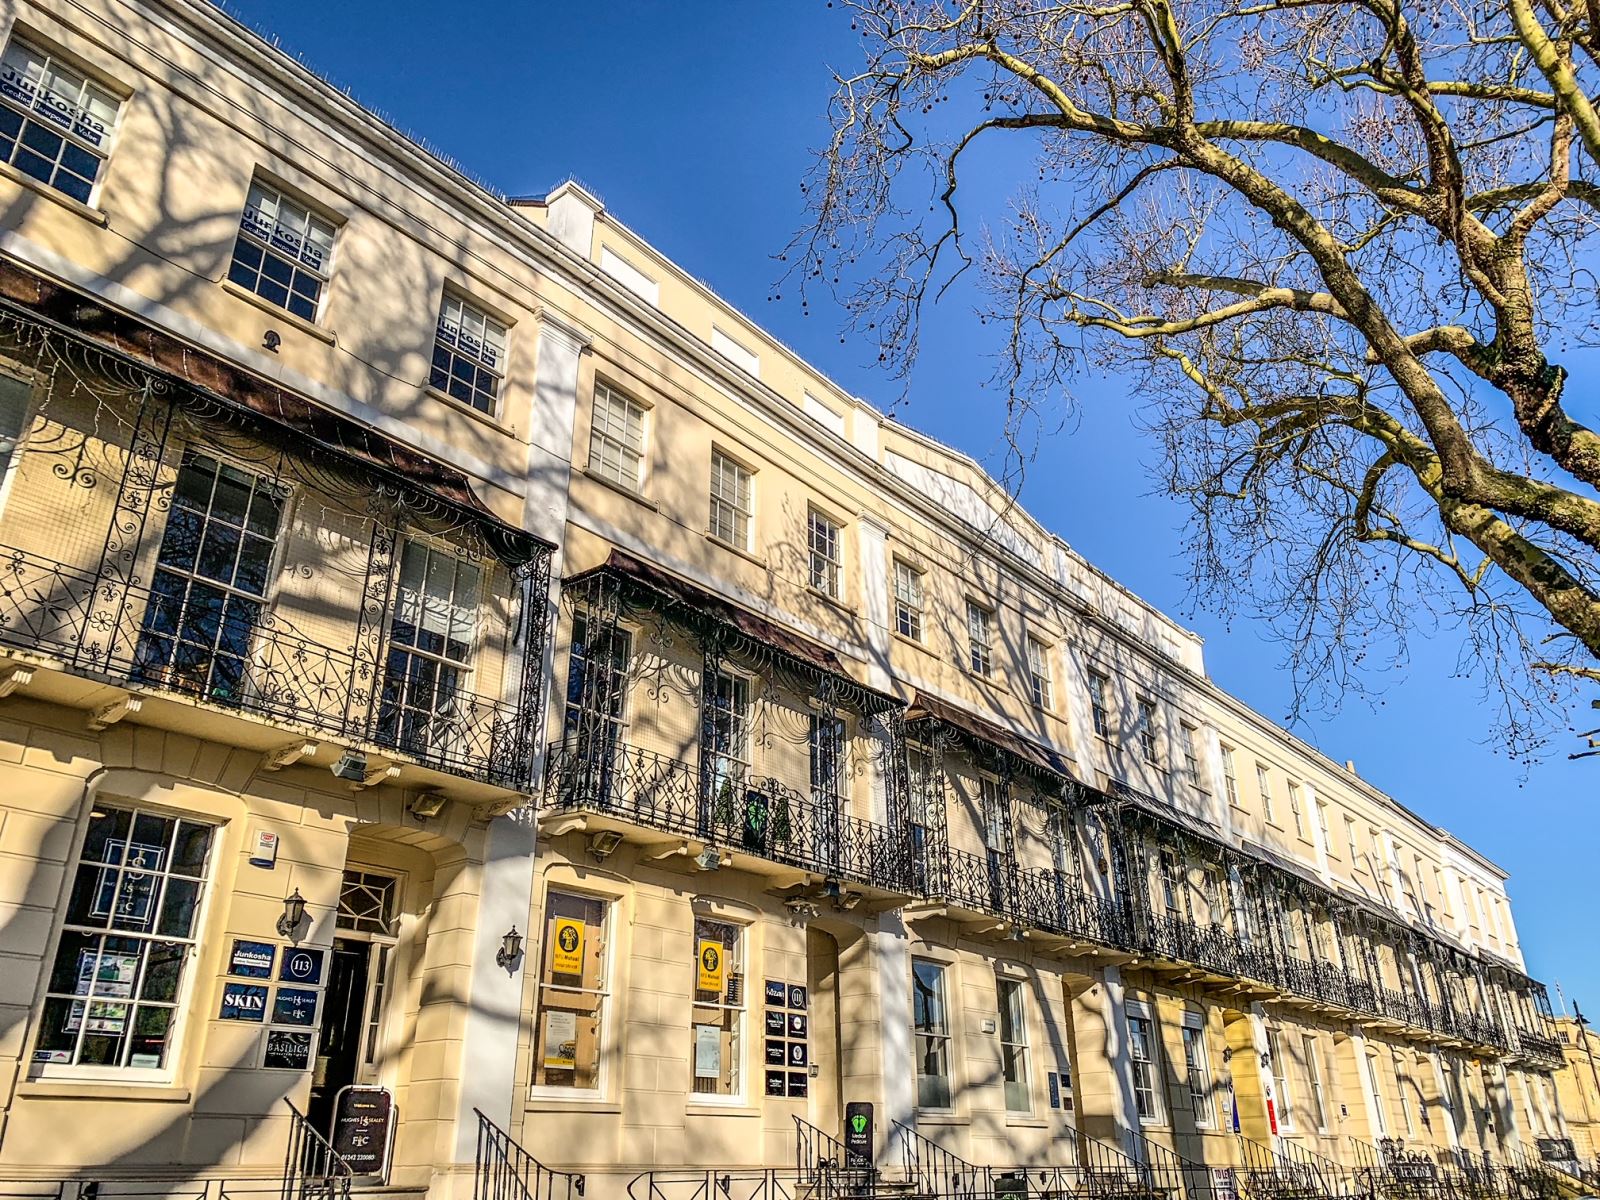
503	1170
1054	902
826	1168
1540	1046
811	830
1214	947
934	1171
734	1183
1291	1172
1101	1171
312	1169
101	624
759	816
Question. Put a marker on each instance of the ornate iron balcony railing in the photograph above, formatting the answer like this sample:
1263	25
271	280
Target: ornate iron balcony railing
100	625
757	815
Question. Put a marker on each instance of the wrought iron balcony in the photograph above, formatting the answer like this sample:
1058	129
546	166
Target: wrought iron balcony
754	815
1546	1049
1038	898
1214	948
99	625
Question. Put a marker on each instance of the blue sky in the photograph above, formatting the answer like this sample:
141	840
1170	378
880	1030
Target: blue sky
695	130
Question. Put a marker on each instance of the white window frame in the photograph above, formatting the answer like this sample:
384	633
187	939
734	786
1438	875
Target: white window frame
1283	1099
1017	1019
980	640
732	499
612	446
940	1036
741	1010
908	600
1197	1070
1191	755
442	731
1295	810
824	553
1319	1099
736	762
1264	789
11	457
89	134
181	1002
1171	875
472	339
605	993
1041	682
1144	1064
1403	1084
1380	1117
1149	740
1099	710
264	240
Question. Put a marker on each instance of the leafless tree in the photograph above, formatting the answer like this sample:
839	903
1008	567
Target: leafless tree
1342	246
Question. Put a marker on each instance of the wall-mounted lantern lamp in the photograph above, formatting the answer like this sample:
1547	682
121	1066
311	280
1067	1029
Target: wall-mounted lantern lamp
510	949
294	911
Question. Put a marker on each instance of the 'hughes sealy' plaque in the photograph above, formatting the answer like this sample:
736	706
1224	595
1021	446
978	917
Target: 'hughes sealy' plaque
363	1125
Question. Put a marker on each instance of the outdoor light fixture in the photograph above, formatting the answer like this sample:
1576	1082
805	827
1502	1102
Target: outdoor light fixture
603	845
708	859
510	948
427	805
294	911
352	765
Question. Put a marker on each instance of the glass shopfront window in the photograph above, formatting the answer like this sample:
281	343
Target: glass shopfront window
716	1050
119	970
574	993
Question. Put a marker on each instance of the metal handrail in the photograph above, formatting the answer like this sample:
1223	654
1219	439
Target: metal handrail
935	1171
312	1168
1288	1171
1106	1172
733	1183
503	1170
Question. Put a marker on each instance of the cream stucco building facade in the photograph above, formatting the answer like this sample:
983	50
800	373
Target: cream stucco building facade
668	751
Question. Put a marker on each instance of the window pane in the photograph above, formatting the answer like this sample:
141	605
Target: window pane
56	123
126	881
572	993
717	1018
932	1048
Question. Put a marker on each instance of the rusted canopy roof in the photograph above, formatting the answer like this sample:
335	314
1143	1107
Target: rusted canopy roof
230	387
708	605
1040	758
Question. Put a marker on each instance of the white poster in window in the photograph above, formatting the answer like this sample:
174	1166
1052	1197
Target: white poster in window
708	1052
561	1039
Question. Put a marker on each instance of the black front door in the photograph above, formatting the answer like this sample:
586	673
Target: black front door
343	1022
